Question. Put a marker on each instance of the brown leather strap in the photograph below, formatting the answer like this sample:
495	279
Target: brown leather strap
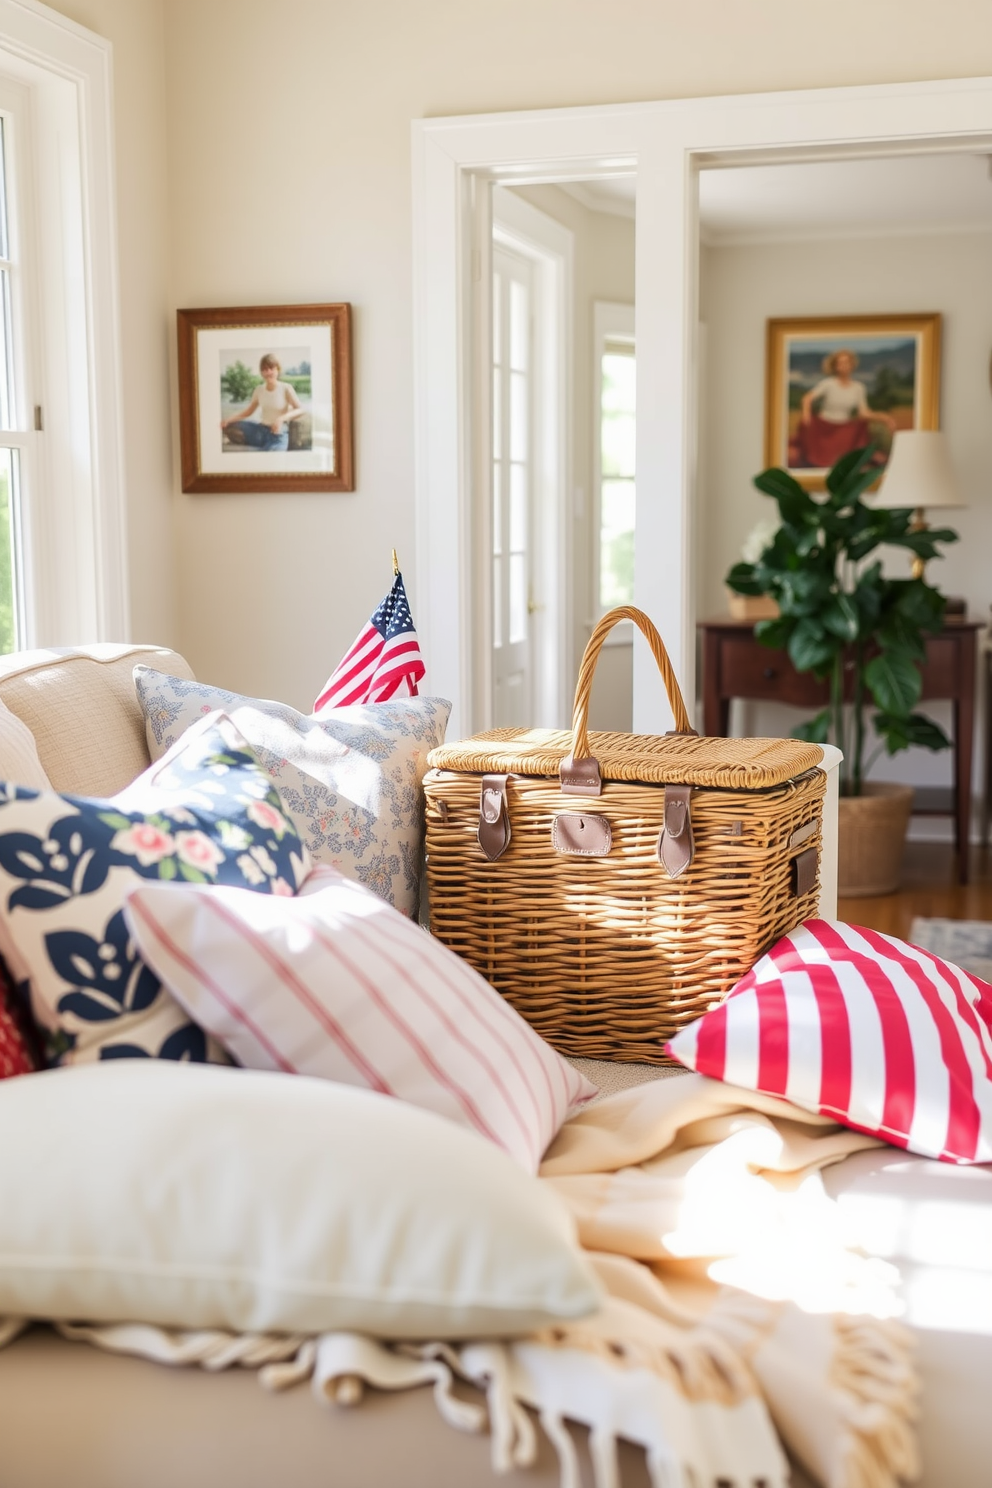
494	817
804	872
578	835
675	845
580	777
806	830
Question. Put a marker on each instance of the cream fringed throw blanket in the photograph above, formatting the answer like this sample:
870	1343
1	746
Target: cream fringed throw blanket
676	1185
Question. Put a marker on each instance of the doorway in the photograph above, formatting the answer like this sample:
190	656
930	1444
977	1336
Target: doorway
666	143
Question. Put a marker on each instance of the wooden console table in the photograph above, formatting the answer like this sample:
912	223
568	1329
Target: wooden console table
735	665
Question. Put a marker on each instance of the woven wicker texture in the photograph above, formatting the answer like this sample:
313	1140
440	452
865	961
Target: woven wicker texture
607	956
735	764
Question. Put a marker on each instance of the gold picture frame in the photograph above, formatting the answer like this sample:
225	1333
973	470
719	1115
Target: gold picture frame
817	406
225	442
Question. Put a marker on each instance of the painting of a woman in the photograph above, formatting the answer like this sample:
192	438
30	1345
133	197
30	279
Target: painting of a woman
838	383
835	416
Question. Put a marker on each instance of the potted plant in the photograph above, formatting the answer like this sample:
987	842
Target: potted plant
843	620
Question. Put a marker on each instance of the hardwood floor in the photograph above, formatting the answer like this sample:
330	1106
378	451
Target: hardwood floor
929	888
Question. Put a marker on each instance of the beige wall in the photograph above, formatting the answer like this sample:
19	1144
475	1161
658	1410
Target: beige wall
741	287
288	150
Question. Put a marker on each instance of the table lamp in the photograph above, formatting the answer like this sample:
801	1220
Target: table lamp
919	474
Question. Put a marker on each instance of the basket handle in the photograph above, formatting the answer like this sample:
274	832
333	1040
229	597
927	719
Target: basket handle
579	771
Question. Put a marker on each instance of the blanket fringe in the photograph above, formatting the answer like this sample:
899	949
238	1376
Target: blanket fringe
873	1373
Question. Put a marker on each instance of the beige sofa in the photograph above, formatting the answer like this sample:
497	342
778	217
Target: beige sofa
72	1417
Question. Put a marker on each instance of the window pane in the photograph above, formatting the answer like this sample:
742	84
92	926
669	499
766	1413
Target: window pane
518	597
4	245
618	443
6	410
497	507
497	318
518	508
8	576
619	383
497	602
497	414
616	544
519	329
518	416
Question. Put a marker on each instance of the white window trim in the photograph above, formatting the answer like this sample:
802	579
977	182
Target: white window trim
76	537
610	321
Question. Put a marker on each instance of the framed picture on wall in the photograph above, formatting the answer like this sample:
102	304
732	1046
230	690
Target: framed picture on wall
837	383
265	398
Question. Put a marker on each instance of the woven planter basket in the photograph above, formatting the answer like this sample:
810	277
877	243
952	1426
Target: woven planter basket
614	887
871	839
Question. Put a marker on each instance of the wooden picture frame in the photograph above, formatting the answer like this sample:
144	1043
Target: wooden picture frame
890	381
226	358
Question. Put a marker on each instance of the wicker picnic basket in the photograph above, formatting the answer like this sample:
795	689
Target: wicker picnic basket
614	887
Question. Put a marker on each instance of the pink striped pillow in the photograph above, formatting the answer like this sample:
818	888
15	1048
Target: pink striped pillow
882	1036
336	983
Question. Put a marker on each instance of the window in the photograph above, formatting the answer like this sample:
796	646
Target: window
615	425
63	569
15	405
511	446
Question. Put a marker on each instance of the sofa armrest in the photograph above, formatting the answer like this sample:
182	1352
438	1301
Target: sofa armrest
79	703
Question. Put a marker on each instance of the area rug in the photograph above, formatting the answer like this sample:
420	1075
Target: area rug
968	943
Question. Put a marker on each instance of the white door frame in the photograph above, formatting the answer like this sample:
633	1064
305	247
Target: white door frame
551	249
667	143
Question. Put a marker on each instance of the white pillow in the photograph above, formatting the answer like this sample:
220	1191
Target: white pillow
199	1196
337	984
19	762
350	778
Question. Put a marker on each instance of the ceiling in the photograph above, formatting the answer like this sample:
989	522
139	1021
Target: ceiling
837	198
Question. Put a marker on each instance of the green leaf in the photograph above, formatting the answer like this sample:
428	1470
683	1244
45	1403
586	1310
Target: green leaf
894	681
192	875
167	868
774	633
115	819
795	505
841	618
917	729
741	579
811	648
814	730
846	470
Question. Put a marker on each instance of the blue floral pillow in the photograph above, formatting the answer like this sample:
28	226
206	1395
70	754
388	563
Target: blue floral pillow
205	813
350	778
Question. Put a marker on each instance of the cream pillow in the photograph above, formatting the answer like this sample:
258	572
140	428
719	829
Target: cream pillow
19	762
198	1196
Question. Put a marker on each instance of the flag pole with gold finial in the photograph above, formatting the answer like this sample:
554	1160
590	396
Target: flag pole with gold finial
396	564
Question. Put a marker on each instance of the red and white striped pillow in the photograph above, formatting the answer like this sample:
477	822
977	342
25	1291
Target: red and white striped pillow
882	1036
336	983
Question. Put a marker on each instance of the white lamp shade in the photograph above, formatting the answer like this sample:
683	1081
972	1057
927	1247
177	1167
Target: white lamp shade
919	472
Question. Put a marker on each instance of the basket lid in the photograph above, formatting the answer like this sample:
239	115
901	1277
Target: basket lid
650	759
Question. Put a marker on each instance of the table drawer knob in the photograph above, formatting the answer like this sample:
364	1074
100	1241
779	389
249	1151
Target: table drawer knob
769	673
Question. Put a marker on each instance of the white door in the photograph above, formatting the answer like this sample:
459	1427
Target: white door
512	488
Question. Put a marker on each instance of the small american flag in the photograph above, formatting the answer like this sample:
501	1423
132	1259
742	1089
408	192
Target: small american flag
384	662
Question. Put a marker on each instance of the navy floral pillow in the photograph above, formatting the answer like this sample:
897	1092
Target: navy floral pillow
205	813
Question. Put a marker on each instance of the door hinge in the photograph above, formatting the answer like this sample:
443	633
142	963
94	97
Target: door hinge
39	422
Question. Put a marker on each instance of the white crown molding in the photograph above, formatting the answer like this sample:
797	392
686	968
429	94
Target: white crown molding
612	206
711	238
